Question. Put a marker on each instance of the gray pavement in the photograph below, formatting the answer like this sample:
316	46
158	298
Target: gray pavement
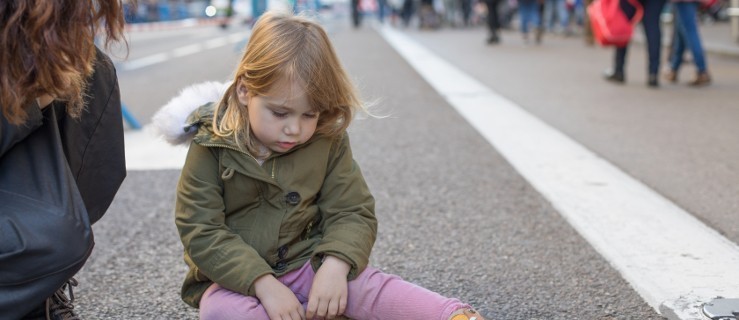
716	38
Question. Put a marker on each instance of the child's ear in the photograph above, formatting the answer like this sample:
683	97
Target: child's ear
242	93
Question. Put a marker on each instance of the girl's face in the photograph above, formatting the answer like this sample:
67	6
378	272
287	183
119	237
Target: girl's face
282	118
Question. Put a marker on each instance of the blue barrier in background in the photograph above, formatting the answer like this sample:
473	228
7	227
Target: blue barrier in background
130	118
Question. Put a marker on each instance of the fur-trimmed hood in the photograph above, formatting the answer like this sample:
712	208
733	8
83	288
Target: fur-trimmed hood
171	121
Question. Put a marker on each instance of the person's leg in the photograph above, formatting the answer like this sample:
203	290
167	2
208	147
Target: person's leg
548	18
536	22
651	23
563	15
525	11
619	61
466	7
492	20
587	29
221	303
384	296
678	44
381	10
406	12
356	17
686	11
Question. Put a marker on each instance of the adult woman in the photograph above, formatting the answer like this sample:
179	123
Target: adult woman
53	76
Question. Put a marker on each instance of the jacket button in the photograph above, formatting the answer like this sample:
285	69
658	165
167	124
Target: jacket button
292	198
282	252
281	266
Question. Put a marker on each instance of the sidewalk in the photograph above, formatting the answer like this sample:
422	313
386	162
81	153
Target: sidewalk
716	37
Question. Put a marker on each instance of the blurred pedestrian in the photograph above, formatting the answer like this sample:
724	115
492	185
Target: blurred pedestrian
686	35
406	12
356	13
556	11
651	22
587	28
529	13
451	12
466	8
382	10
493	21
428	17
274	214
60	93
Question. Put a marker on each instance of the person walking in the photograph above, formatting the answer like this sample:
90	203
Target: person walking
273	212
529	13
651	22
493	21
556	11
587	29
686	34
406	12
58	92
356	13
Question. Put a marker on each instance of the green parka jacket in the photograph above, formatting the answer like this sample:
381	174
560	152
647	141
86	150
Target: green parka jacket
239	220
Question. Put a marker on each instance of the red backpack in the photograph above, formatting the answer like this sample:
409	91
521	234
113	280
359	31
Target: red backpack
610	25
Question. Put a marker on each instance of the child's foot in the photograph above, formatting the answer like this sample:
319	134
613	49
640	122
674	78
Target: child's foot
466	314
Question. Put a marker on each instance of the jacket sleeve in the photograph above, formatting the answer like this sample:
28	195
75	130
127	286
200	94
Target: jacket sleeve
11	134
218	253
348	211
94	143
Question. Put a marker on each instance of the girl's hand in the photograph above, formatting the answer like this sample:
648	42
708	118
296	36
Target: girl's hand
328	295
278	300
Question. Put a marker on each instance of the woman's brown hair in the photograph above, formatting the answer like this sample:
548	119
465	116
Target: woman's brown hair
284	45
48	47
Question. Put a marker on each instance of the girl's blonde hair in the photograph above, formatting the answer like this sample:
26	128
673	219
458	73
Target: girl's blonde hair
284	45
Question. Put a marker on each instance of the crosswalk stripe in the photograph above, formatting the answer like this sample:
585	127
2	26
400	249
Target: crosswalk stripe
183	51
674	261
147	151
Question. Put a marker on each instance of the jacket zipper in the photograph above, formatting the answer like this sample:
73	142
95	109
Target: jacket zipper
273	167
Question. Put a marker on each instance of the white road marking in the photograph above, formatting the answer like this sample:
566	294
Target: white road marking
147	151
215	43
187	50
674	261
183	51
236	37
145	61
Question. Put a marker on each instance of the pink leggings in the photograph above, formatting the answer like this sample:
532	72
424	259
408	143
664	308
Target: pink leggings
372	295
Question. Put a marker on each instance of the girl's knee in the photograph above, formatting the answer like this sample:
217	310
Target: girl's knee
210	312
220	303
229	310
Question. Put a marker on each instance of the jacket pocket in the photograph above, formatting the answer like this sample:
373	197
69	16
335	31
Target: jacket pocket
241	194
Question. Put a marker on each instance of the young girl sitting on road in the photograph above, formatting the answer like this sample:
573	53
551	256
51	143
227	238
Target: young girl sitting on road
275	217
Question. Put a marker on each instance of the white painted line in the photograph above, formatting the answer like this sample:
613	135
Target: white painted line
237	37
187	50
183	51
674	261
145	61
146	151
215	43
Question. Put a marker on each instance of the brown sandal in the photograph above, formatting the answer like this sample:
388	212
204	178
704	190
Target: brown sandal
466	314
